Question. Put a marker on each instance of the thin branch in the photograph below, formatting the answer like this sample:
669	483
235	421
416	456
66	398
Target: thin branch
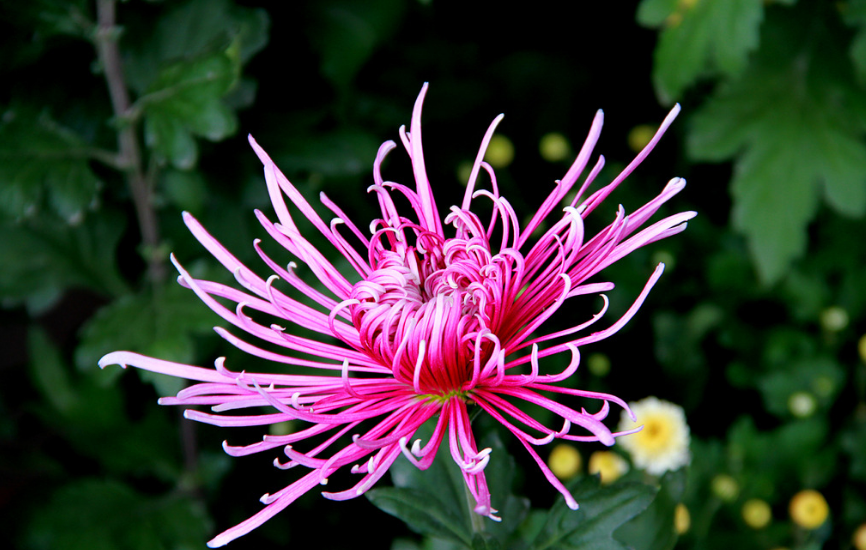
127	141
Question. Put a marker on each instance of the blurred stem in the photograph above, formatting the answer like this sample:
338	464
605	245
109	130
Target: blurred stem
476	520
140	186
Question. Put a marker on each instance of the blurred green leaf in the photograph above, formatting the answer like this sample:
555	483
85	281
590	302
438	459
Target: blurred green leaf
700	37
602	510
194	29
92	419
185	100
818	378
652	13
653	528
159	324
43	164
788	123
347	33
854	14
91	514
853	441
44	255
783	460
186	190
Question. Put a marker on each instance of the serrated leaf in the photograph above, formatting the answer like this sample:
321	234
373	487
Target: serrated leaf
790	128
602	510
46	255
704	37
95	514
347	33
160	324
421	514
192	29
43	164
185	100
653	529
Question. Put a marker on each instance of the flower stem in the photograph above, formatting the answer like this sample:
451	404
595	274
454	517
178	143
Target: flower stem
475	520
130	152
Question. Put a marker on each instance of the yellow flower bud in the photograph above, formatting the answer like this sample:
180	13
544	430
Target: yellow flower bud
757	513
859	538
608	464
834	319
564	461
500	151
861	347
554	147
682	519
639	136
802	404
598	364
809	509
725	487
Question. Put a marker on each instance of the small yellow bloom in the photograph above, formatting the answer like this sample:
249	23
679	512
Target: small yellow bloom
663	443
609	465
809	509
725	487
554	147
564	461
682	519
756	513
464	170
598	364
834	319
859	538
500	151
639	136
861	348
802	404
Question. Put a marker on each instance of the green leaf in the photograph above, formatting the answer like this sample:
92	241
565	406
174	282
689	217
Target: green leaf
347	33
653	13
423	513
854	14
192	29
84	411
602	510
91	514
788	122
653	529
432	502
185	100
43	164
43	256
160	324
704	37
820	378
783	460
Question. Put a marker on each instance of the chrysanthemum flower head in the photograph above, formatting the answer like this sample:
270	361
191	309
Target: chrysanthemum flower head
428	323
663	443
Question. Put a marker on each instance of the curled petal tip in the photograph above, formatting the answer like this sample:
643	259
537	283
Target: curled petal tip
111	359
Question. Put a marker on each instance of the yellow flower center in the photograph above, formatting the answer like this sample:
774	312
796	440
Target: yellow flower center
656	434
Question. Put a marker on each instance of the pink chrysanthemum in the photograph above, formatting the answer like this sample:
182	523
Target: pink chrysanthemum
435	322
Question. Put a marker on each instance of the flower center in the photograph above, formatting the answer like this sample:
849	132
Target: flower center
431	314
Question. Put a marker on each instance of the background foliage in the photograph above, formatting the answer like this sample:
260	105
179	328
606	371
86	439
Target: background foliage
115	118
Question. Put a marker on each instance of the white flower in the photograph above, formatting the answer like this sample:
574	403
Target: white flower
663	444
